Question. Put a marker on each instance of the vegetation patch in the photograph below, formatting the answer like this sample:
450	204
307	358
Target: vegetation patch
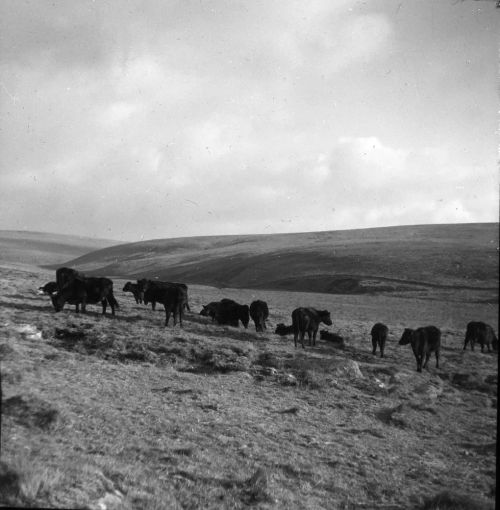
31	411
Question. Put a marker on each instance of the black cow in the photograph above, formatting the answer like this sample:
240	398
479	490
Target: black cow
141	286
307	320
48	288
230	312
86	290
210	310
259	312
333	338
65	276
172	297
379	334
283	330
481	333
134	289
423	341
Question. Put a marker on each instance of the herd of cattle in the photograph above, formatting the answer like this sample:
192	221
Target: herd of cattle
76	289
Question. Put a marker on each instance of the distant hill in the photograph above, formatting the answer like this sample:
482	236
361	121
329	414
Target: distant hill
39	248
347	261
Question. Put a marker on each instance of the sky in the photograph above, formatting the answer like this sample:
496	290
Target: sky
131	120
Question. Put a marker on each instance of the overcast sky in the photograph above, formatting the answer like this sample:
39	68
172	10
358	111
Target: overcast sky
145	119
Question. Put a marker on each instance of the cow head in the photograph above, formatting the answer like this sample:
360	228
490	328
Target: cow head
325	317
57	301
204	311
406	337
127	287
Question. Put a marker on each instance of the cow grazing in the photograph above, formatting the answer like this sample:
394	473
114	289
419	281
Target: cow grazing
283	330
259	312
48	288
83	290
210	310
379	334
481	333
172	297
134	289
230	313
335	339
307	320
65	276
423	342
141	286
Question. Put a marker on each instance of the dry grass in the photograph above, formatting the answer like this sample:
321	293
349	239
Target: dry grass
219	417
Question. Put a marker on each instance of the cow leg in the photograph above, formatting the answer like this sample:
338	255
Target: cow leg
314	337
374	345
427	357
104	303
437	359
482	347
167	314
472	345
382	347
465	344
295	335
302	335
77	308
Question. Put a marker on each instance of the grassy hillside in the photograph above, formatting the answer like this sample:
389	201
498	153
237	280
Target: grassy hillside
102	412
39	248
350	261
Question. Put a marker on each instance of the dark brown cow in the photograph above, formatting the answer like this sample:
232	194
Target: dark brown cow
141	286
210	310
172	297
259	312
423	342
379	334
230	313
283	330
481	333
307	320
81	291
134	289
335	339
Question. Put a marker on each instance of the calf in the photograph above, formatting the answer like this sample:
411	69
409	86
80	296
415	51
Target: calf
48	288
172	297
423	341
335	339
379	334
481	333
259	312
283	330
134	289
83	290
229	312
307	320
210	310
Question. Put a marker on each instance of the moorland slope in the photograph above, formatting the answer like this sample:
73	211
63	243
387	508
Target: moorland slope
350	261
39	248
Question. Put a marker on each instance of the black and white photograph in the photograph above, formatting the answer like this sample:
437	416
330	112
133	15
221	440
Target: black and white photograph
249	254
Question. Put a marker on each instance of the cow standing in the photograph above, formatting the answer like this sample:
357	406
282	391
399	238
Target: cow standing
141	286
259	312
172	297
229	312
210	310
423	342
134	289
379	334
307	320
481	333
82	290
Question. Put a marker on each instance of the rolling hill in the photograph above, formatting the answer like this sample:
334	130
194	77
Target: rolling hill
39	248
350	261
